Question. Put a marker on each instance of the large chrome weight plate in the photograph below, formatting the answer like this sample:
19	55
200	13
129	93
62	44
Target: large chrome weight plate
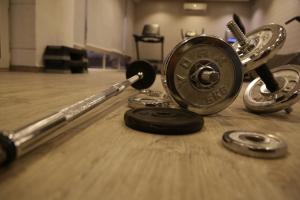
262	44
255	144
203	73
258	99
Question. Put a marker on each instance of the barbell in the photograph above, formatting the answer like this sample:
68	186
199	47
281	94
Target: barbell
16	143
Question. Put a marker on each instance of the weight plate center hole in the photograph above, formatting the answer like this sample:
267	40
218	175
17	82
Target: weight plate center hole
204	74
162	114
253	138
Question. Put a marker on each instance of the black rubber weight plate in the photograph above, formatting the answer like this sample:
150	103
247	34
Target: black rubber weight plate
169	121
148	71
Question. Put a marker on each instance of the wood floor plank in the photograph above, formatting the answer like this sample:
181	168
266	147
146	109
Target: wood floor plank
98	157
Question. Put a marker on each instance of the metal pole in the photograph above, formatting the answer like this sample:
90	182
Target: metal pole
32	135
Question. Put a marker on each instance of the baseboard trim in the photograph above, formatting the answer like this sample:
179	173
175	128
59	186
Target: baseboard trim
4	69
57	71
19	68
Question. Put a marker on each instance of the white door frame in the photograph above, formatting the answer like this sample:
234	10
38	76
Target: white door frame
4	34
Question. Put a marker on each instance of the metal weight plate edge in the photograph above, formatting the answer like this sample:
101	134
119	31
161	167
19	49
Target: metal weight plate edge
252	151
273	46
172	59
265	109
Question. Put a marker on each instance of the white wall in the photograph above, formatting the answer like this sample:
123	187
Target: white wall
279	11
171	17
109	24
105	24
54	25
128	43
4	34
22	32
79	21
38	23
34	24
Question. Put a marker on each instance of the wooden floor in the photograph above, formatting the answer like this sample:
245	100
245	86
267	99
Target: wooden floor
98	157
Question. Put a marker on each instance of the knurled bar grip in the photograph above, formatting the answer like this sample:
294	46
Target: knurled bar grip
236	31
14	144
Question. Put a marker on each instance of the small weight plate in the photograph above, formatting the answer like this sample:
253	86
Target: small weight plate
169	121
189	56
258	99
266	41
152	93
255	144
142	102
146	100
141	66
